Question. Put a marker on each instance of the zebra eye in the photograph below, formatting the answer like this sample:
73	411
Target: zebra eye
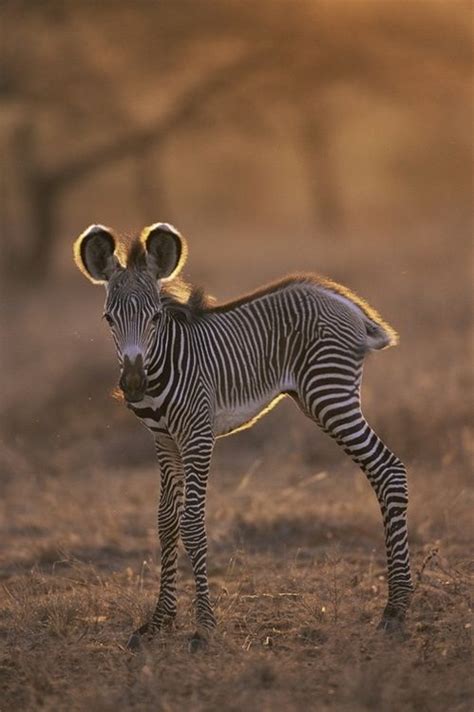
155	317
108	319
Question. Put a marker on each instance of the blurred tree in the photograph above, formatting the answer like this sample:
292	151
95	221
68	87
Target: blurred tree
84	88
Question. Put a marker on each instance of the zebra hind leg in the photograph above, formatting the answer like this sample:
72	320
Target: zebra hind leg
169	514
339	415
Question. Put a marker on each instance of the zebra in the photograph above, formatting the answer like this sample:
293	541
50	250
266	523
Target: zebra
193	371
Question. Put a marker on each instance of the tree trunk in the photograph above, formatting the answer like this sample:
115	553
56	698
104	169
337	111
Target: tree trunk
26	200
319	162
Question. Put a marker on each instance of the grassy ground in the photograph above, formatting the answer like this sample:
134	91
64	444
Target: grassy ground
296	556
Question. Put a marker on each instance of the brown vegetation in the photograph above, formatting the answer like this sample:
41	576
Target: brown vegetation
296	555
296	548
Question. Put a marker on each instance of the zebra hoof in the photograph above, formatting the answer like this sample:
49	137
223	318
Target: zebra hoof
198	643
135	642
392	626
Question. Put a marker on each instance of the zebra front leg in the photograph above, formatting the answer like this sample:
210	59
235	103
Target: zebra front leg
169	513
342	418
196	457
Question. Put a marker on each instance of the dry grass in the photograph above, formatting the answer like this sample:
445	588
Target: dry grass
296	549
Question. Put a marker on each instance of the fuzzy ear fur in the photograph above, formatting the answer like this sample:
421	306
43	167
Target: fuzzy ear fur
94	253
166	250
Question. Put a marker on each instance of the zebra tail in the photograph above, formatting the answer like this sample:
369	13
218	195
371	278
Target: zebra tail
380	335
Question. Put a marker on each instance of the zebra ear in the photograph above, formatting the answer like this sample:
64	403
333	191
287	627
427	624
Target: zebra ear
94	253
166	250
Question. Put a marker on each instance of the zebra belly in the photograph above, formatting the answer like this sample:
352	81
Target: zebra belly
229	420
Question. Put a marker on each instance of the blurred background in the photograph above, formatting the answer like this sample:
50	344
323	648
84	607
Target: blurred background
326	136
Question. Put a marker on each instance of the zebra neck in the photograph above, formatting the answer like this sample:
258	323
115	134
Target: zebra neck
167	350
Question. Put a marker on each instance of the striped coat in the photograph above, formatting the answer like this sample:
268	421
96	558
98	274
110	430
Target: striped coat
193	371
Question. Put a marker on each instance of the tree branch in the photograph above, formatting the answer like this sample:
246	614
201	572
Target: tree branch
131	142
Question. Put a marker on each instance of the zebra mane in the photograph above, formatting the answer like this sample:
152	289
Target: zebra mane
190	301
186	301
136	256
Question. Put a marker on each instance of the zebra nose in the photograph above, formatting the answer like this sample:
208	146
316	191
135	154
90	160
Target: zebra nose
133	380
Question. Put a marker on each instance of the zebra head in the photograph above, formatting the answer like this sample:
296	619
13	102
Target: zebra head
133	307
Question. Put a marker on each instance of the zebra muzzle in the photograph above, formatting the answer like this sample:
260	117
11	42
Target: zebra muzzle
133	381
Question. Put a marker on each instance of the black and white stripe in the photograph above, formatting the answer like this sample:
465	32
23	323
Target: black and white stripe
212	370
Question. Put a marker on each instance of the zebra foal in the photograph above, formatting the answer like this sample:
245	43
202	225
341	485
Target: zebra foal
193	372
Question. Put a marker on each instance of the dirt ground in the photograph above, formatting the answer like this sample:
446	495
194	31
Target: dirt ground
296	556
